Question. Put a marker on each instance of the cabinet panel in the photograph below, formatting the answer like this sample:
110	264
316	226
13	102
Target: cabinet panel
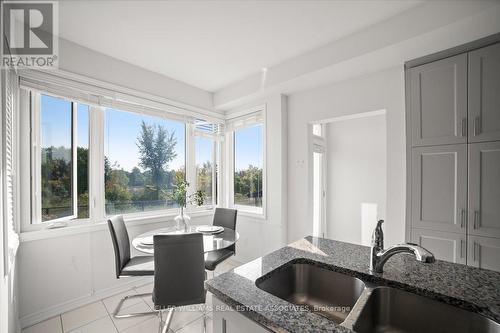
226	320
484	189
444	245
439	188
438	96
484	252
484	94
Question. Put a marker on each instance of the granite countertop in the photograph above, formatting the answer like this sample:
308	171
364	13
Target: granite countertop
472	289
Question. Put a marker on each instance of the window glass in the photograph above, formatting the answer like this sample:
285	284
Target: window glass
144	157
56	158
204	148
248	164
317	129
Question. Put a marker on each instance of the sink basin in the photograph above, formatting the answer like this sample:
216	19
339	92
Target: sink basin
394	310
322	291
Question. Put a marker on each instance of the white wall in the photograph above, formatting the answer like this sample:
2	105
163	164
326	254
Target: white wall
77	59
383	90
356	175
260	236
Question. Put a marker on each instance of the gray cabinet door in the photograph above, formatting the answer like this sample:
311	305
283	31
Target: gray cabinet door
438	102
484	94
439	188
447	246
484	189
484	252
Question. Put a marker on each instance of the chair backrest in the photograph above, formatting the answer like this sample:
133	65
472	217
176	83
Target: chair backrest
179	270
121	242
226	218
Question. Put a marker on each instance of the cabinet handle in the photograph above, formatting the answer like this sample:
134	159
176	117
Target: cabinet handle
476	219
461	248
224	325
477	252
462	218
477	126
464	126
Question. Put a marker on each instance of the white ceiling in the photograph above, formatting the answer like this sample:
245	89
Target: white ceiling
212	44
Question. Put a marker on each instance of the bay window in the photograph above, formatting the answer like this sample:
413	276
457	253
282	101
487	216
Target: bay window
89	154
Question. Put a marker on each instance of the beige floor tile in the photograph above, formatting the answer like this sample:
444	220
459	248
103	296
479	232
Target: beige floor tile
52	325
197	326
146	289
125	323
185	315
82	316
103	325
148	326
111	302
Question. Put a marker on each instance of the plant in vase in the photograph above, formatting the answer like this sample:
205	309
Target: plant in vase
179	195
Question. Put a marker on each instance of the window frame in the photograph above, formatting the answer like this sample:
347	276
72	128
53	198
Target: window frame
36	163
245	120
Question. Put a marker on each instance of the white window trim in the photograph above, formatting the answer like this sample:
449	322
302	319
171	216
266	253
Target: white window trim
260	113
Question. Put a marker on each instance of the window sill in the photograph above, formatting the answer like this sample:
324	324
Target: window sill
33	235
261	216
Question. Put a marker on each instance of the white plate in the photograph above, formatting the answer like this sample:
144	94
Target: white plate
147	240
209	229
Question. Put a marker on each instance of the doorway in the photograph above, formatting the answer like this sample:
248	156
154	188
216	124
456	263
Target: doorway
348	163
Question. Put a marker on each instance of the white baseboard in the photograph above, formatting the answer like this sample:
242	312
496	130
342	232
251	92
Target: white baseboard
58	309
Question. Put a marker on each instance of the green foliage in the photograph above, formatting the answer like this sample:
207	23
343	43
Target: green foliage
156	149
248	186
179	193
180	196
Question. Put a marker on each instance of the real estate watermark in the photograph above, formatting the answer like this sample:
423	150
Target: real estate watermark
30	34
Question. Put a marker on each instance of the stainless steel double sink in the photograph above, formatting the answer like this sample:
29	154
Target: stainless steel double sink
364	307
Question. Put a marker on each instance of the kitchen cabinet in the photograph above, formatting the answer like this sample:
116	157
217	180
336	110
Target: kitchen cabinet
484	94
453	158
484	189
447	246
438	98
484	252
439	188
226	320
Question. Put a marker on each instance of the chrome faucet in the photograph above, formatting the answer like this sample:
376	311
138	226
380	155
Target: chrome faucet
379	256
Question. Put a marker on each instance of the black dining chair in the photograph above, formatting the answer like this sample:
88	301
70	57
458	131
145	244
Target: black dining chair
223	217
127	266
179	274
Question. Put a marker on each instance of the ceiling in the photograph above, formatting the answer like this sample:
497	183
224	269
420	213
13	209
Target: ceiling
211	44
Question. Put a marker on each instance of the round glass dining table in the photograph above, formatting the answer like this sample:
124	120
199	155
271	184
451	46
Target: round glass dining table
211	242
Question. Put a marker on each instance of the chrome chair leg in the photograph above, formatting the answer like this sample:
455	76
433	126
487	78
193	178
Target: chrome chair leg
166	325
117	314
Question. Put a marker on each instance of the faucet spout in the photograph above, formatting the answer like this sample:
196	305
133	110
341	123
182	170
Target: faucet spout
379	256
421	255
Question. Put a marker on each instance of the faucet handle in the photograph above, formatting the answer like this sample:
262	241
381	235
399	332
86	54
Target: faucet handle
378	236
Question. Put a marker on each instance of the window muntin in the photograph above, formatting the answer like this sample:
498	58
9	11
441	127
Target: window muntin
205	171
63	183
144	156
248	166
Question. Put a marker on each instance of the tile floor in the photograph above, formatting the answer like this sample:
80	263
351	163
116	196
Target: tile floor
97	318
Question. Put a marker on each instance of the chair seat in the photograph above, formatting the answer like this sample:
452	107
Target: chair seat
213	258
139	266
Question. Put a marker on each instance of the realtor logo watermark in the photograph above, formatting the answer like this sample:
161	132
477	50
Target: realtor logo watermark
29	31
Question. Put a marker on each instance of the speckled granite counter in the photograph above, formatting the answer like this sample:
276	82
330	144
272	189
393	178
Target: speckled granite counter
469	288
